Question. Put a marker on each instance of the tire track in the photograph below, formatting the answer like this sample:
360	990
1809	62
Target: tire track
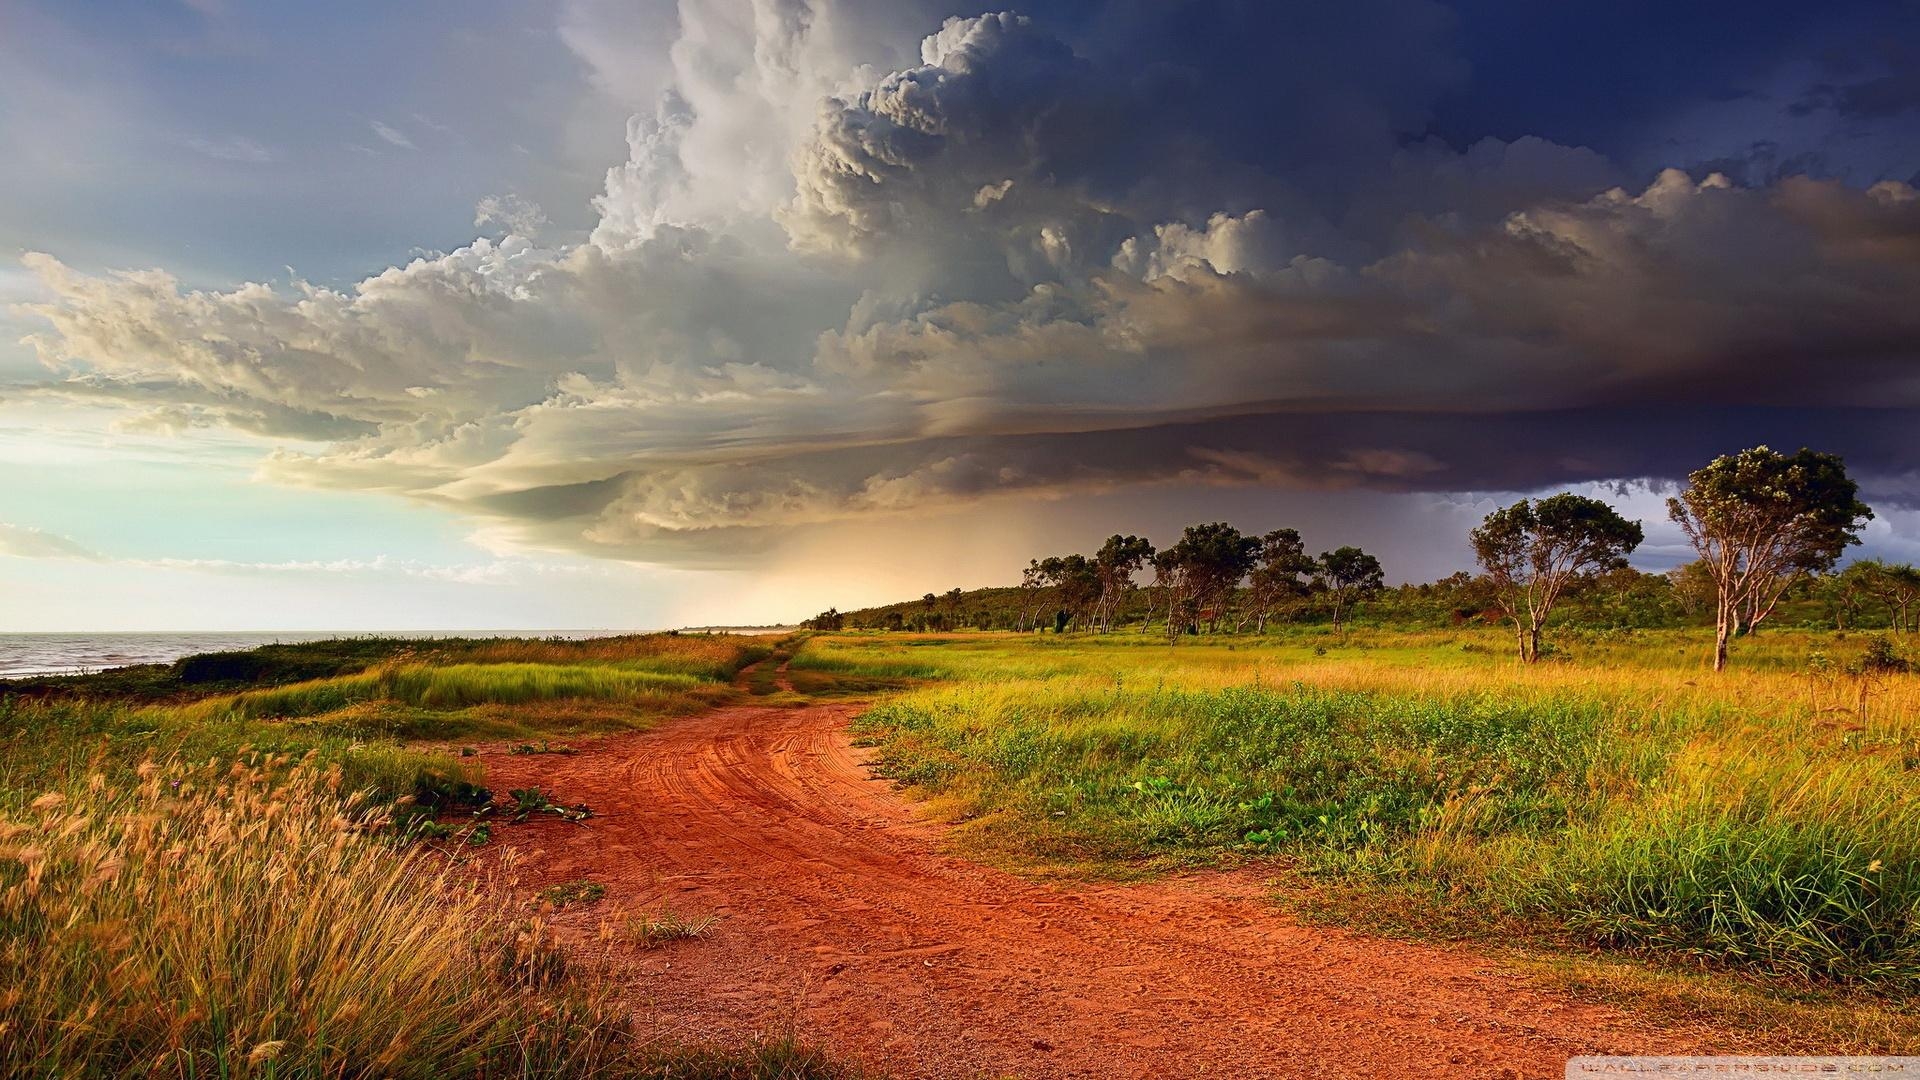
844	921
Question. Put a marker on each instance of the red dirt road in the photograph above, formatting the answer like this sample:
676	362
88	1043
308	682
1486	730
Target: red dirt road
844	922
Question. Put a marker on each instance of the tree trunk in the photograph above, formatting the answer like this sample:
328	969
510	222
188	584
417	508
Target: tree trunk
1722	627
1533	654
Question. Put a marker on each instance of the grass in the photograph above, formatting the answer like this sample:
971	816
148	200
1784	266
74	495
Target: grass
1766	823
209	876
247	922
568	893
657	928
1618	808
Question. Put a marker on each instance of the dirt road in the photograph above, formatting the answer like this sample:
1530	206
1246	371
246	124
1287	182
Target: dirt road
844	921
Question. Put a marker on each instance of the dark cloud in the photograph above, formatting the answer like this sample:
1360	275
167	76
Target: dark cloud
1084	251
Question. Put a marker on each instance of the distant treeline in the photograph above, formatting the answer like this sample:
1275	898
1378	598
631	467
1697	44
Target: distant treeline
1769	528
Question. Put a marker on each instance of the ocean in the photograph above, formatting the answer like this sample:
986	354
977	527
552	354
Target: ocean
67	654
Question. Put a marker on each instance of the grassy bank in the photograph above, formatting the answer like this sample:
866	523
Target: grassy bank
1766	822
203	876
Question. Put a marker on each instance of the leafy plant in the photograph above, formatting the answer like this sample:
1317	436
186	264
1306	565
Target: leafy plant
526	802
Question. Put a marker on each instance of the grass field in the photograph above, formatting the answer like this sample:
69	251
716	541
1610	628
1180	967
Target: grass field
1764	822
1618	805
203	873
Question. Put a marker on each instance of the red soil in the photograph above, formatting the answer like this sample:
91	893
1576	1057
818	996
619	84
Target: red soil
845	923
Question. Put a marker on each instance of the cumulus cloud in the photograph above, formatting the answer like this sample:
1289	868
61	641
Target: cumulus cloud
518	216
24	542
851	272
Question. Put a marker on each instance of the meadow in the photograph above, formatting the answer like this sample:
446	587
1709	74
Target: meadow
217	868
1764	822
224	867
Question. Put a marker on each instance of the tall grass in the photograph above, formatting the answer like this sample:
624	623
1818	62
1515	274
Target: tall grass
250	921
44	743
710	657
254	914
1768	820
225	922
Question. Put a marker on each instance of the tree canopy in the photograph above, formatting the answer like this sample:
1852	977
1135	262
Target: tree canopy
1761	519
1533	550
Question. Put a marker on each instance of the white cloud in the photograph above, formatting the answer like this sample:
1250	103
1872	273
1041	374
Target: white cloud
520	217
391	135
24	542
821	291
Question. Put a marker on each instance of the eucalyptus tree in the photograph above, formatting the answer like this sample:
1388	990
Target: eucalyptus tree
1760	520
1210	561
1897	585
1280	574
1533	550
1844	591
1114	565
1693	587
1170	586
1075	586
1347	575
1032	580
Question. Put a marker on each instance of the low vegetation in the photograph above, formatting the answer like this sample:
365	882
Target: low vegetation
254	921
1612	796
217	871
657	928
1764	822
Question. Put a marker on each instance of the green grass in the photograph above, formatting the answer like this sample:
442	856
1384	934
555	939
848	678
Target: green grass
208	875
1761	822
454	686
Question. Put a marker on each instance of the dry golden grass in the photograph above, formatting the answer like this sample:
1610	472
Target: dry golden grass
255	921
207	921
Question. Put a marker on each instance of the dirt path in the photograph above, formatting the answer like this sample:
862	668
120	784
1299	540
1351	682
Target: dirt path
844	922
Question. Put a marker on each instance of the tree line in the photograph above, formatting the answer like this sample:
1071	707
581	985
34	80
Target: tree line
1767	528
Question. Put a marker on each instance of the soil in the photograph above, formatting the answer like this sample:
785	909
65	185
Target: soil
845	922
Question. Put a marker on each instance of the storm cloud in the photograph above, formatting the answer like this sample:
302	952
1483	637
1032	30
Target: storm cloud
865	260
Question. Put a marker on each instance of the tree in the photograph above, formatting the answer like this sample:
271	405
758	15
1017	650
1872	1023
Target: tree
1114	566
830	619
1170	585
1076	586
1760	520
1279	575
1693	587
1032	580
1209	562
1533	550
1844	592
1623	597
1895	585
952	598
1348	575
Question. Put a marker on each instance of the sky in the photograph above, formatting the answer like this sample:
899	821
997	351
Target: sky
491	314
